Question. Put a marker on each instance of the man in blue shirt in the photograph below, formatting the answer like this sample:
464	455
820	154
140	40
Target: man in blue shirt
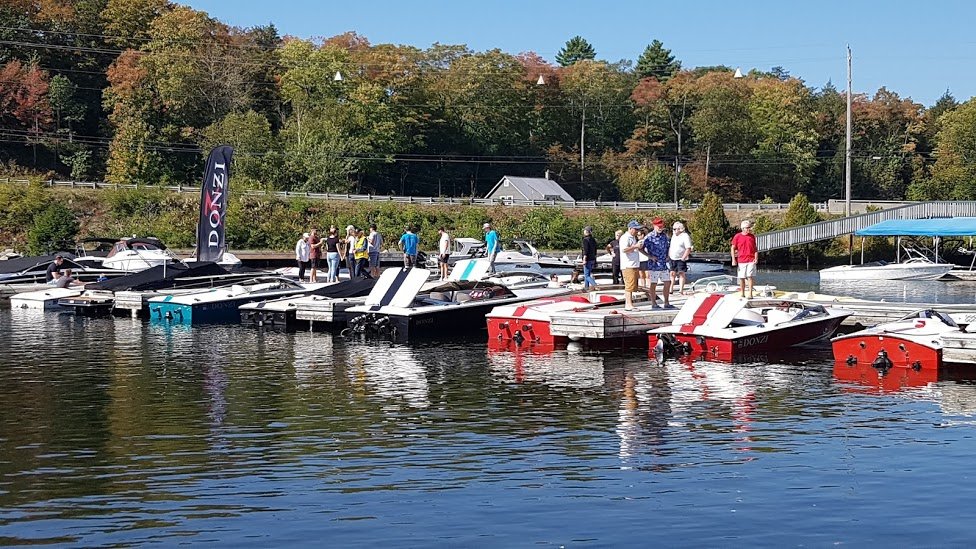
408	243
656	245
492	245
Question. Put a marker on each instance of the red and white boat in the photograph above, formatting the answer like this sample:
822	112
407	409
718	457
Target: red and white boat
529	322
728	327
915	341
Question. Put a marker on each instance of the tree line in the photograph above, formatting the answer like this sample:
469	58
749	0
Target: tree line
137	91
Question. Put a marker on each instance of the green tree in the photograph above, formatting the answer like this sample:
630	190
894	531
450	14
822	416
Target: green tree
955	165
799	213
784	152
711	228
657	61
653	183
576	49
53	229
257	156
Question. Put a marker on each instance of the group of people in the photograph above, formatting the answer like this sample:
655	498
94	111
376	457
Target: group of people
644	258
360	251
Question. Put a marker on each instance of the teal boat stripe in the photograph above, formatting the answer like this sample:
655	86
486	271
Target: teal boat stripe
467	270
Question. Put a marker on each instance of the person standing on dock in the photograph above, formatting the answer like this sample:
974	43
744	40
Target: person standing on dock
678	254
408	243
746	256
492	245
630	262
444	252
613	248
350	251
589	257
361	253
314	253
303	255
374	242
656	245
332	247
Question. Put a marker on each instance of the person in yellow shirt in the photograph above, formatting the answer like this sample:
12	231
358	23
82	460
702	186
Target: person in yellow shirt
361	254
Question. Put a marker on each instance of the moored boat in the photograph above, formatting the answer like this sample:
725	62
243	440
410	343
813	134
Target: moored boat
398	308
529	322
281	313
43	300
914	269
915	341
220	305
728	327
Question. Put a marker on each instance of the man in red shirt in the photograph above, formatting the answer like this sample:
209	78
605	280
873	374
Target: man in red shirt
745	255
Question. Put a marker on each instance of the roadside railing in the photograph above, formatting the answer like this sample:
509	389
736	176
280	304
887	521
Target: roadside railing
440	200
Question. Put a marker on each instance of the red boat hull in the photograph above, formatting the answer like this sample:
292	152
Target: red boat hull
531	332
723	349
886	351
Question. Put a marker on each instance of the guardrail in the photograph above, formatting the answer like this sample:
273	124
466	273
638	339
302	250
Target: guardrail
440	200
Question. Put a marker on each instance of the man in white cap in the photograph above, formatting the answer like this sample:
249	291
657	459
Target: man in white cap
630	261
492	246
302	255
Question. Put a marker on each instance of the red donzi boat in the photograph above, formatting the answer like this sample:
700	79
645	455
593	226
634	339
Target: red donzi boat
728	327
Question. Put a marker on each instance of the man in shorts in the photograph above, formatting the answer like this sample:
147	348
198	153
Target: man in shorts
629	262
745	256
656	245
444	252
678	253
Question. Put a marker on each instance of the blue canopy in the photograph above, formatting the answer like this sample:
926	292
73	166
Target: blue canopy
947	226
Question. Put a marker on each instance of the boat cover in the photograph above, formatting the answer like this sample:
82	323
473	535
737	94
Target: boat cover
153	278
946	226
357	287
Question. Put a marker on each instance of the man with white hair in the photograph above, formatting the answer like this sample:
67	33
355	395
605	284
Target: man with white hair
746	256
678	253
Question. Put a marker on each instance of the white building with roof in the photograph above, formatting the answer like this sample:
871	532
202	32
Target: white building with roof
528	188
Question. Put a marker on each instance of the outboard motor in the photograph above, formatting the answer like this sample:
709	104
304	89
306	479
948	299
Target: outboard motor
882	362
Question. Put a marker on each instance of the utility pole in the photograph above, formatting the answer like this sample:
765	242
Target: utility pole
847	151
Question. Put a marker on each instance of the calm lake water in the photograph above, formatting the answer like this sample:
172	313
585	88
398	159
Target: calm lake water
118	432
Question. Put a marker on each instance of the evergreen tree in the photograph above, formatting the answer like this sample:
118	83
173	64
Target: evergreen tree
576	49
54	229
658	62
711	228
801	213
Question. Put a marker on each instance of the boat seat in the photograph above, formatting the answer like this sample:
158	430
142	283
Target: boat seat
463	297
777	316
439	296
748	317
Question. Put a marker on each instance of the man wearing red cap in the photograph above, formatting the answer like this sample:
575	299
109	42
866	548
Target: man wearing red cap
656	245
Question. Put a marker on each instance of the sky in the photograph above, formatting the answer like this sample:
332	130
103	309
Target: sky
916	49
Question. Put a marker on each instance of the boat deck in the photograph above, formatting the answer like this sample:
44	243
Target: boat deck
326	311
610	323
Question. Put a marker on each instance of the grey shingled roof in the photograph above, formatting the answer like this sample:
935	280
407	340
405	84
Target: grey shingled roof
535	188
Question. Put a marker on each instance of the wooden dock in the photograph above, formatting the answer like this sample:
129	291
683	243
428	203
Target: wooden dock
610	323
326	310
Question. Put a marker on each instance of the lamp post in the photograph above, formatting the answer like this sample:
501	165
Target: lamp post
847	151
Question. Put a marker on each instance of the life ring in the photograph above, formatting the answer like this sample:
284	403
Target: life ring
711	287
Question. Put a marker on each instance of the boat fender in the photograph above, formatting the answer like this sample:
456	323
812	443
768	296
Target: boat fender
882	362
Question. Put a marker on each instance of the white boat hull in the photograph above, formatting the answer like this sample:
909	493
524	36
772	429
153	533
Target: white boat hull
42	300
895	271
